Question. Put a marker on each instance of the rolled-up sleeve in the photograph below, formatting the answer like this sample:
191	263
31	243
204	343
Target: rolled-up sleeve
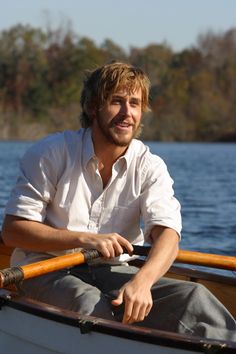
158	203
35	186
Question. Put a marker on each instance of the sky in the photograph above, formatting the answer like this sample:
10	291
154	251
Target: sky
129	23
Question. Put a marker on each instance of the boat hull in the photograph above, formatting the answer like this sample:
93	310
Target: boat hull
28	326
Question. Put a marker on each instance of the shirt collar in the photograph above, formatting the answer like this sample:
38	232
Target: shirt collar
88	150
127	157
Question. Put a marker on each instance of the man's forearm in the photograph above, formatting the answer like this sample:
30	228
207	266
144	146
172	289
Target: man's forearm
163	253
38	237
136	294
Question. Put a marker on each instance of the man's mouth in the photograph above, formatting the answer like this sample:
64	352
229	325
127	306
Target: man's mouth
123	124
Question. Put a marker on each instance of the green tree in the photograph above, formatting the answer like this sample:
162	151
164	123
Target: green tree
22	73
113	52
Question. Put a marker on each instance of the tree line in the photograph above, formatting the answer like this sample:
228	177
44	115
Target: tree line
192	91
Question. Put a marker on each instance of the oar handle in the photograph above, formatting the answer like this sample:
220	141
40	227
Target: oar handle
15	275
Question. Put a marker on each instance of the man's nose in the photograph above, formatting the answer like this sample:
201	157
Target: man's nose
126	109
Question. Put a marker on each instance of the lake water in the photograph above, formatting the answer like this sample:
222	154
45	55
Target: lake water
205	184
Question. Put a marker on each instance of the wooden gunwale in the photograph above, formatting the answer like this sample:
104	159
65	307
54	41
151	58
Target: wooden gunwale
87	324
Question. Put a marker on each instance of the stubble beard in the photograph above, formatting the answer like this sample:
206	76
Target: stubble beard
117	139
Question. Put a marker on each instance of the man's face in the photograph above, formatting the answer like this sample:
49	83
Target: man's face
119	119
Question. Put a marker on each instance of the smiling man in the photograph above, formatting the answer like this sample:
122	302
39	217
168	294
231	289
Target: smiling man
114	125
90	189
118	121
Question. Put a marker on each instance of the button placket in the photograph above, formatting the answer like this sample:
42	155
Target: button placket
96	212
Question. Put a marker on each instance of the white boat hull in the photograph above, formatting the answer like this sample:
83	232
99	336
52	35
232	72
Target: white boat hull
31	335
29	327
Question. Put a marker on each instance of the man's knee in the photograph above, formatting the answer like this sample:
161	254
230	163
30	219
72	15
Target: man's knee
200	291
92	302
85	302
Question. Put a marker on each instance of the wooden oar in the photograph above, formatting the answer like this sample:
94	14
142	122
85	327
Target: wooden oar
207	260
197	258
15	275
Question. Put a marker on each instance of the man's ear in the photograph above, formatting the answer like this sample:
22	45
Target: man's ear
93	113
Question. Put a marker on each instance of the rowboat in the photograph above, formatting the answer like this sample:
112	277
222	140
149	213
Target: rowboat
28	326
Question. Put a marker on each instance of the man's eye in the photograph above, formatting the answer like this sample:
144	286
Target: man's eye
134	103
116	101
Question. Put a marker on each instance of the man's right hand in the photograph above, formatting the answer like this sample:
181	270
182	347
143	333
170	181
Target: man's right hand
109	245
35	236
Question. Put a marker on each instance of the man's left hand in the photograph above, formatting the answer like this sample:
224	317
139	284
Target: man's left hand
137	299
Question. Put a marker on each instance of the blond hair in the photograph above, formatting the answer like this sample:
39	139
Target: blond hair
102	83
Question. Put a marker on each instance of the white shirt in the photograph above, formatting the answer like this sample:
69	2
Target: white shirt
60	184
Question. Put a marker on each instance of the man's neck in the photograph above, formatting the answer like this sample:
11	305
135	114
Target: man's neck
107	154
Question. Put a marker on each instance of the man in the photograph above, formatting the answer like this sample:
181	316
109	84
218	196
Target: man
89	189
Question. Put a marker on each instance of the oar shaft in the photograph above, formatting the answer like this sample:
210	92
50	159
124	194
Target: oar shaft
57	263
15	275
207	260
197	258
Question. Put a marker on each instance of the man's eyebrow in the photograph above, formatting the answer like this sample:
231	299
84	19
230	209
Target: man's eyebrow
117	96
136	99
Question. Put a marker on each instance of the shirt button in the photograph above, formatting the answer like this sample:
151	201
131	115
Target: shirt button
91	225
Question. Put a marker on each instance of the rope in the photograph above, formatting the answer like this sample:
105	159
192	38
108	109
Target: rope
11	276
